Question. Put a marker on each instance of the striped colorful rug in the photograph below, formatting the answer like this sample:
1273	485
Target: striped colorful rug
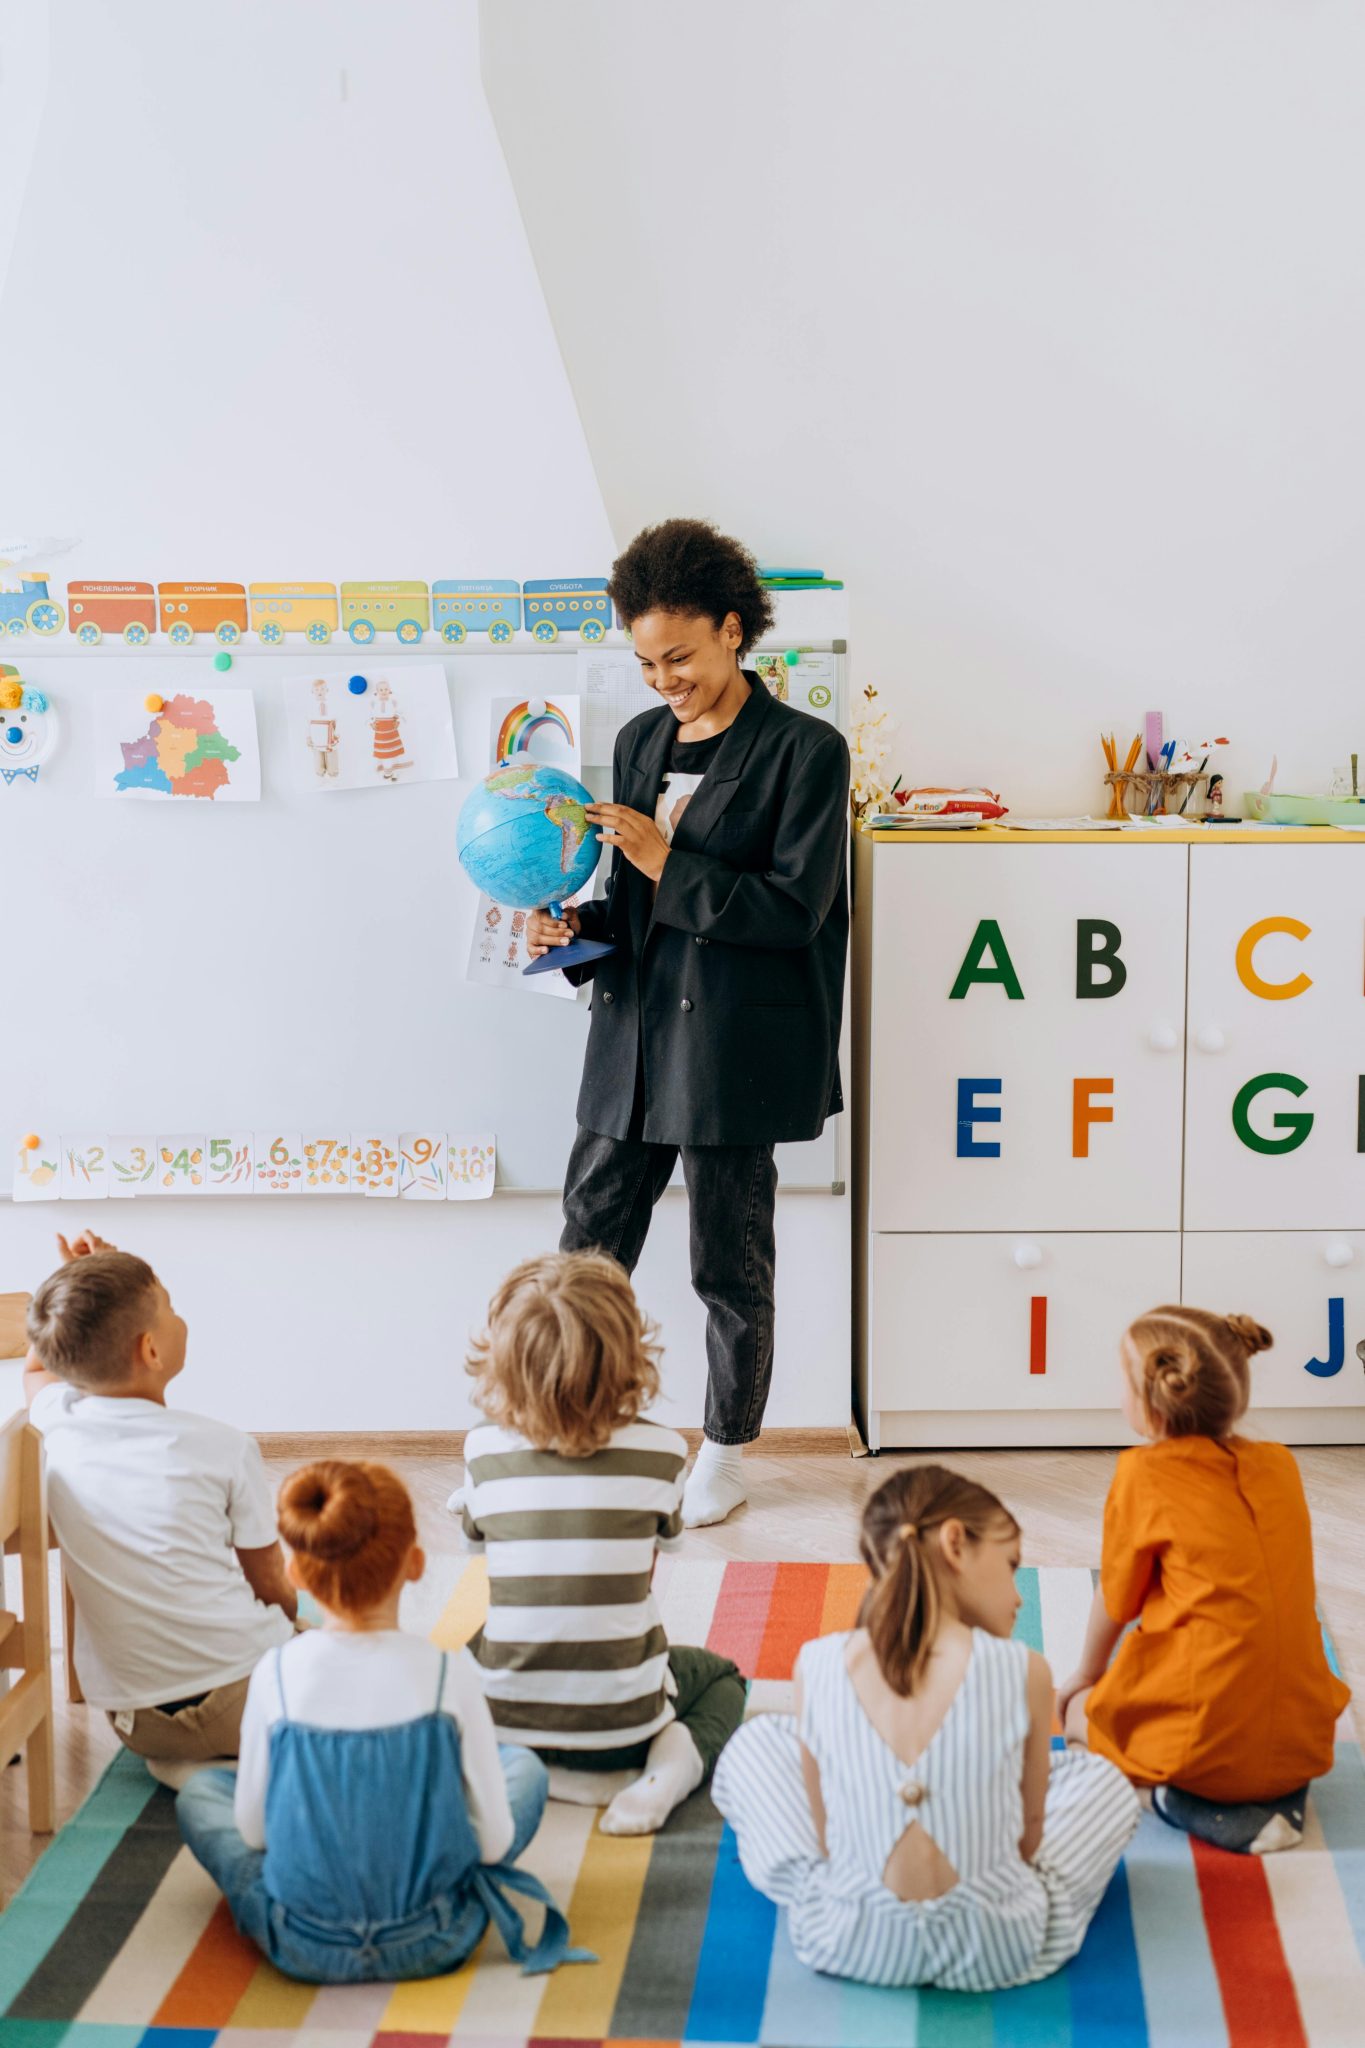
118	1940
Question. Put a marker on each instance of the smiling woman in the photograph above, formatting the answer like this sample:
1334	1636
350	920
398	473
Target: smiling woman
715	1022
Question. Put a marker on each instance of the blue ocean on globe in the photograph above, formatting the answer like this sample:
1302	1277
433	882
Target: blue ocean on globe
524	836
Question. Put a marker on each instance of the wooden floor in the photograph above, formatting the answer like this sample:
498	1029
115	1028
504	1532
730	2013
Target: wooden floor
808	1507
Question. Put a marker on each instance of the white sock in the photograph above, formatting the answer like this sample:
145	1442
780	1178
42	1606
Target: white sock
715	1485
672	1770
455	1504
587	1788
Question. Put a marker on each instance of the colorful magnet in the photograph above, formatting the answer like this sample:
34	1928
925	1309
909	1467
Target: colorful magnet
357	686
222	661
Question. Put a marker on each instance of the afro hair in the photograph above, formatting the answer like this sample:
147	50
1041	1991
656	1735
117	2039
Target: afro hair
688	566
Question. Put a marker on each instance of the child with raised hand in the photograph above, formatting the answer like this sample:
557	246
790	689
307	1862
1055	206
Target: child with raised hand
911	1817
164	1518
373	1825
573	1495
1221	1699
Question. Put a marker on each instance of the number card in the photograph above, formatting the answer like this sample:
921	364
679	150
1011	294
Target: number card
85	1169
228	1164
422	1166
279	1163
471	1167
328	1167
179	1166
132	1166
377	1166
37	1172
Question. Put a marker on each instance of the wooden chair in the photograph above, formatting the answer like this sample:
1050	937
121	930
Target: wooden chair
25	1644
14	1344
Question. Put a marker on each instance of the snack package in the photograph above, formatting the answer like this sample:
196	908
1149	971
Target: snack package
948	803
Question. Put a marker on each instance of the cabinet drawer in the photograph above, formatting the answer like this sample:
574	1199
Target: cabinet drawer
1027	1019
1308	1293
1015	1320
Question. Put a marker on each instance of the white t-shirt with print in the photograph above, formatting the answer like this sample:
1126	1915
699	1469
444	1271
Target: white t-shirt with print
149	1506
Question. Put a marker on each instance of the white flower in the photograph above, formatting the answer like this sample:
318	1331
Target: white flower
869	745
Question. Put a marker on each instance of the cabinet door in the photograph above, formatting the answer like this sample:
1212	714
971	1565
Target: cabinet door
1276	1024
1308	1289
992	1322
990	1108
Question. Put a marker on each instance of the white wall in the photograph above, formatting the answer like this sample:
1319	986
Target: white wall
269	311
1043	324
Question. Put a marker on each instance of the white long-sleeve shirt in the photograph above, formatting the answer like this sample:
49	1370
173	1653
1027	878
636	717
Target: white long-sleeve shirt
336	1678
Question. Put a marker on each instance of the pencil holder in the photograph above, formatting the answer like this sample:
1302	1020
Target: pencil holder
1146	793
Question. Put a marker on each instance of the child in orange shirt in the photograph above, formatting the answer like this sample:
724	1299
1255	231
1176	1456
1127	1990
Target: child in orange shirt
1221	1699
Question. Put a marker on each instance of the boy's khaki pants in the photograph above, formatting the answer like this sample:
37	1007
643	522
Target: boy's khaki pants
212	1728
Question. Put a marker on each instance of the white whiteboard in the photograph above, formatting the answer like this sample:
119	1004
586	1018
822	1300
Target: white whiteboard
298	962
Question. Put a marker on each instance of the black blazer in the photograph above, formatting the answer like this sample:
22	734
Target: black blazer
734	972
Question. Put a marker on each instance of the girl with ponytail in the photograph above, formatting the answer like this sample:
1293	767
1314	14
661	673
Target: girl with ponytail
911	1816
1221	1698
373	1826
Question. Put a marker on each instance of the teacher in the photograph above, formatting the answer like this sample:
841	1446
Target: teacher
715	1023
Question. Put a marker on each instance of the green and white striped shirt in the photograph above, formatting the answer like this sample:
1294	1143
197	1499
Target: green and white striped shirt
573	1654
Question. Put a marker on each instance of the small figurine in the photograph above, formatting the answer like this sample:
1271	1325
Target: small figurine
388	741
322	734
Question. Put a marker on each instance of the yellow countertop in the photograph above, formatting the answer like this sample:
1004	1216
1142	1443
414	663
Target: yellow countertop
1172	835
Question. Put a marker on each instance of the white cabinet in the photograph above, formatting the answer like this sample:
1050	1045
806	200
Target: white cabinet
1277	1038
1094	1075
1308	1288
1026	1065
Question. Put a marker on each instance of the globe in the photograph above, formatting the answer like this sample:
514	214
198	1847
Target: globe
524	836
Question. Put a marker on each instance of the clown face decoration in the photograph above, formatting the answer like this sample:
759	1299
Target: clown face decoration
28	730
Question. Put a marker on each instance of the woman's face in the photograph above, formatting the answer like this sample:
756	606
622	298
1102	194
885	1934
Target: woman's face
689	660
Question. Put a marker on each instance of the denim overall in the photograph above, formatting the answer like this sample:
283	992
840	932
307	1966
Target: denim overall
371	1868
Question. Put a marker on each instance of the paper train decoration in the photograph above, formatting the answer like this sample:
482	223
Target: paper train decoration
499	607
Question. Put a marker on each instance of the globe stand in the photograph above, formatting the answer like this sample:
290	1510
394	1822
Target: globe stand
575	954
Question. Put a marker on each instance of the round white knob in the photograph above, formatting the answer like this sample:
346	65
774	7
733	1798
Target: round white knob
1026	1256
1211	1038
1163	1037
1338	1253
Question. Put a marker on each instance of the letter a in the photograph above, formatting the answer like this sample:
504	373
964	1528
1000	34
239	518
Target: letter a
987	939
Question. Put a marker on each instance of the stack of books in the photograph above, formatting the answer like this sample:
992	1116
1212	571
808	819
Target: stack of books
797	579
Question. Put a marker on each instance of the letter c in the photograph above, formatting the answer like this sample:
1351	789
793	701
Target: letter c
1271	991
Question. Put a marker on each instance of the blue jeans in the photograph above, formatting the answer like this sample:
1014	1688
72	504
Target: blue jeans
439	1943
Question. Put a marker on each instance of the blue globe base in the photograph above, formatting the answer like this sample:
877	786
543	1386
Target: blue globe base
572	955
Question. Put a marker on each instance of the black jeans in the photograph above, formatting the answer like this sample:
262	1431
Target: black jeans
610	1190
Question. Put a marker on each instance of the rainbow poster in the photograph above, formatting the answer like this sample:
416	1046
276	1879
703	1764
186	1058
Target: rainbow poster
536	728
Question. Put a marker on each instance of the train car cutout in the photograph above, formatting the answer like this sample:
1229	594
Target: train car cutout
401	608
190	608
29	609
573	604
472	604
280	608
95	609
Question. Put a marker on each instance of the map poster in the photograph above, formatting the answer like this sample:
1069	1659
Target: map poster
182	746
366	726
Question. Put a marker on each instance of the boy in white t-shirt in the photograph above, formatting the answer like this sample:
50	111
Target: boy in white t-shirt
164	1519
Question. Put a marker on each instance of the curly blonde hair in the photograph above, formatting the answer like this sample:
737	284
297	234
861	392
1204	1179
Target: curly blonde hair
1189	1368
568	1355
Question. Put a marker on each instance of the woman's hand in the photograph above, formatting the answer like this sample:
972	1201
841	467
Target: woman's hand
638	837
544	931
1079	1681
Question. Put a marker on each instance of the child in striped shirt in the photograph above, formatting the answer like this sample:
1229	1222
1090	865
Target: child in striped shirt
573	1495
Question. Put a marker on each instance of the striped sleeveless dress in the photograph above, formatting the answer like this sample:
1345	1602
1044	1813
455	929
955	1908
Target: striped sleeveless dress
1005	1921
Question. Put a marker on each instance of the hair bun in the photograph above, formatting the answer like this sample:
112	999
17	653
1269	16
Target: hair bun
328	1511
1250	1333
